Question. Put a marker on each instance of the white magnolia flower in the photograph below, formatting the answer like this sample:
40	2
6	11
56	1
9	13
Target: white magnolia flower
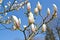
33	27
16	21
36	10
1	1
39	6
28	6
44	27
55	7
48	11
31	18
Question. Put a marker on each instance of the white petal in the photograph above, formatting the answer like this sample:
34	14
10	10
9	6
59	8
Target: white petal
24	26
15	18
19	20
28	4
5	6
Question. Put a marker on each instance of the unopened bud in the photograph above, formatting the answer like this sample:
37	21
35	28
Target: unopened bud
39	6
36	11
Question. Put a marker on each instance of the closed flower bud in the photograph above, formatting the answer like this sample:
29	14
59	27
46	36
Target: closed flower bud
36	11
43	27
16	22
31	18
48	11
33	27
1	1
55	7
28	6
24	26
39	6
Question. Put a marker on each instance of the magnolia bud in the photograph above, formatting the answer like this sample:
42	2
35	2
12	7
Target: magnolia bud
16	21
48	11
31	18
1	1
44	27
36	11
28	6
24	26
55	7
39	6
33	27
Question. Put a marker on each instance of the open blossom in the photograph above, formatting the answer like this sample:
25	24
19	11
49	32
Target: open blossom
1	1
55	7
33	27
28	6
44	27
31	18
39	6
16	21
48	11
36	11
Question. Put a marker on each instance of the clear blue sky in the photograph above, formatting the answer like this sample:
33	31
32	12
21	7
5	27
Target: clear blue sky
12	35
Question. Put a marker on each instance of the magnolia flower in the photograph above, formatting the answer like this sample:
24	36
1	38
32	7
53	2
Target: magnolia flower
16	21
39	6
44	27
28	6
48	11
33	27
36	10
31	18
55	7
1	1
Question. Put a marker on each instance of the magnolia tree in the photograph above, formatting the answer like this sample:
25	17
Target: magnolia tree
32	27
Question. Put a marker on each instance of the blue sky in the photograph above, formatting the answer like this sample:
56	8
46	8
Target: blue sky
14	35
